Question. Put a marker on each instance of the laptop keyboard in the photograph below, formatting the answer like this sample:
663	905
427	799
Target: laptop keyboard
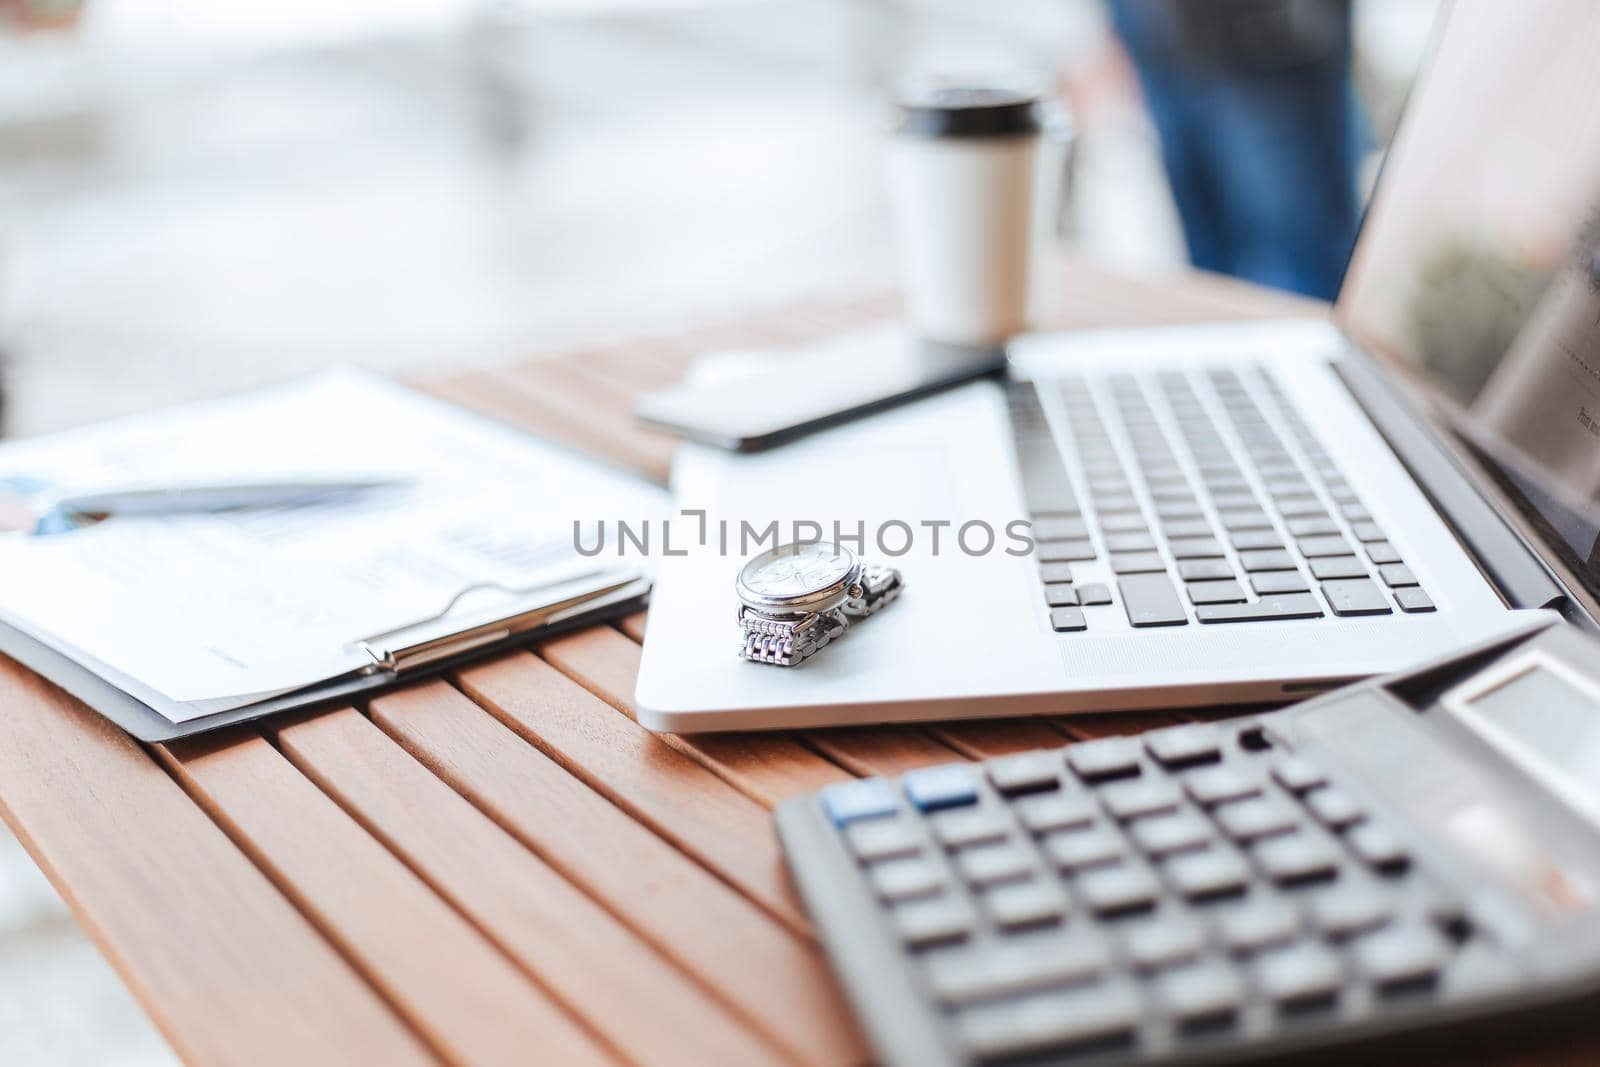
1199	511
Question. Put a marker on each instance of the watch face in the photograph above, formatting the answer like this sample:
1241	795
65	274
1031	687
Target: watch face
796	570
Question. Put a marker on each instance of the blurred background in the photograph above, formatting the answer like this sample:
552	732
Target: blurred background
198	197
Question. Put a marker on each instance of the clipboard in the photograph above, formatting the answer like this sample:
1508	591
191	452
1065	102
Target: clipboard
419	650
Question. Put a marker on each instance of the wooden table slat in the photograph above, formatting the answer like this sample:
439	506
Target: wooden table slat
659	786
227	968
443	976
988	738
763	766
881	751
600	971
771	976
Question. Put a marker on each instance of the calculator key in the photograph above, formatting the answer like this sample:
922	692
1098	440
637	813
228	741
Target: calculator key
1355	596
934	921
1029	772
1297	859
1175	832
1348	910
1051	1021
1151	600
1065	552
907	878
1067	620
1338	567
992	864
1184	746
1297	774
1021	904
1208	874
1014	967
964	827
1401	958
882	839
1093	593
1199	570
949	786
1220	784
866	798
1079	849
1413	600
1378	848
1227	592
1301	974
1255	818
1061	595
1382	552
1334	808
1207	994
1106	758
1396	575
1057	811
1118	890
1140	797
1267	559
1258	924
1164	941
1270	582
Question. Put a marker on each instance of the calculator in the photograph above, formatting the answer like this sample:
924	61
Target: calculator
1389	862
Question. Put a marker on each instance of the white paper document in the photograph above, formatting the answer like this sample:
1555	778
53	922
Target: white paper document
216	611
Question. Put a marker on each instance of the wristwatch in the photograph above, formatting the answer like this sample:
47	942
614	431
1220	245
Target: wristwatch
795	598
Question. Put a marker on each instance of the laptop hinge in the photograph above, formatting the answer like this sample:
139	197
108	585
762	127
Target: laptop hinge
1507	560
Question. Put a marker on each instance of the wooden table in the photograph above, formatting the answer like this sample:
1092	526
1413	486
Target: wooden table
501	867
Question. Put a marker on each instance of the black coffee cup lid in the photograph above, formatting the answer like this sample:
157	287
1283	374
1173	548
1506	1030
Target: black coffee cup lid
953	109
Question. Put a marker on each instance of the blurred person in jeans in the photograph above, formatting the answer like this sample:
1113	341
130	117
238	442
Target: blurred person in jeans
1261	134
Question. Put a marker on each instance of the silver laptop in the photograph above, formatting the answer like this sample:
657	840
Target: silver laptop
1219	514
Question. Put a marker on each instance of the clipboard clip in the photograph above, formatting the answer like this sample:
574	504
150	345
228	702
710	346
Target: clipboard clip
441	637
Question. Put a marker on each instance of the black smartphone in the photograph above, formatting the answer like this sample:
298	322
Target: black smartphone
820	388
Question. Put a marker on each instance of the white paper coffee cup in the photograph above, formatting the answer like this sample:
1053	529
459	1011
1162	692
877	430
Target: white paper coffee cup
963	179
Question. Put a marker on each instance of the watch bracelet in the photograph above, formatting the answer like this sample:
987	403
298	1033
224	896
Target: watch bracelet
782	643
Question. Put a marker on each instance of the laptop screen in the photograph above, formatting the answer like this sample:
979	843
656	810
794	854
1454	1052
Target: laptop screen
1478	268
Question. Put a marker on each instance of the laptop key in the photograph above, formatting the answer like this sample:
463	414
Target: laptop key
1179	510
1067	620
1355	596
1064	551
1268	559
1093	593
1382	552
1151	600
1338	567
1247	540
1413	600
1130	542
1186	528
1202	570
1397	574
1293	506
1270	582
1060	595
1123	523
1059	529
1247	518
1330	545
1367	532
1194	548
1055	572
1223	592
1137	562
1312	526
1268	608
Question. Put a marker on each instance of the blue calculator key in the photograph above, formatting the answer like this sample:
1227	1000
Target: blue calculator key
867	798
949	786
